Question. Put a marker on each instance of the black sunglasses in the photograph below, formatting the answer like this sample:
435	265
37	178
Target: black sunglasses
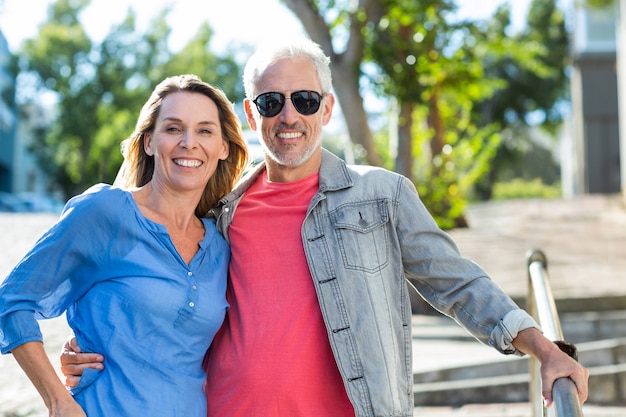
306	102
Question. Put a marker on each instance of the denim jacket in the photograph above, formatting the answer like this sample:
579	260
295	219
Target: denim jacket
366	233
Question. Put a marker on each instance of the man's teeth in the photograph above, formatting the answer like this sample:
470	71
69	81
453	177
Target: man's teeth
190	163
289	135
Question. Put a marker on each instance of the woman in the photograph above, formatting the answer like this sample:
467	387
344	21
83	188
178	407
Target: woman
140	273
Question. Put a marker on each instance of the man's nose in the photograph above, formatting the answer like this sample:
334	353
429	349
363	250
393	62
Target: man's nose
288	112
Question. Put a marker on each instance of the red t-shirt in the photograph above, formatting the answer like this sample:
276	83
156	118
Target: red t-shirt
272	358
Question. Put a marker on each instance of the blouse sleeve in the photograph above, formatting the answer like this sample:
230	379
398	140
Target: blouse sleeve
56	271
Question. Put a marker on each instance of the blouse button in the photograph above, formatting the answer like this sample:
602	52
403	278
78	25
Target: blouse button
189	273
191	304
193	287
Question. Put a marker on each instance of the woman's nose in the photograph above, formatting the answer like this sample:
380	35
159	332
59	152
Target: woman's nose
187	140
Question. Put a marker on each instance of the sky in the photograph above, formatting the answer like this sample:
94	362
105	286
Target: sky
232	20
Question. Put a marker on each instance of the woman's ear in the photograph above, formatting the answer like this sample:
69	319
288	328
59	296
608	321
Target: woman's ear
225	150
147	144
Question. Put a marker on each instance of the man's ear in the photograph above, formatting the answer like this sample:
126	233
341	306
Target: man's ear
329	103
247	107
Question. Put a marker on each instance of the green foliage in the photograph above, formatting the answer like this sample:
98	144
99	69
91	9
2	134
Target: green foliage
446	180
464	89
196	58
434	66
518	188
532	64
601	4
443	200
98	89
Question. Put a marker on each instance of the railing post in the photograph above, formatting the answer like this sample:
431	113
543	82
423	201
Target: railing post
542	307
534	386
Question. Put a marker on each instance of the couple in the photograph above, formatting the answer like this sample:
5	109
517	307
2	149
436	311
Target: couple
319	320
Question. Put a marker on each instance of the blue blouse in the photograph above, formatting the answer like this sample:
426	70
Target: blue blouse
127	294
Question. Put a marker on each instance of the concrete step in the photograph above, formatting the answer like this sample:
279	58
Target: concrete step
509	410
462	371
582	326
607	386
440	343
587	326
591	354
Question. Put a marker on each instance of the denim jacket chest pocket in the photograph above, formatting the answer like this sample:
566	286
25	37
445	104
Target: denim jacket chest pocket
361	230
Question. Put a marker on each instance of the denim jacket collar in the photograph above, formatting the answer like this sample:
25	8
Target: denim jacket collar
334	174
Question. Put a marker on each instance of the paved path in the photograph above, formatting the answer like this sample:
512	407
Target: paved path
18	232
584	240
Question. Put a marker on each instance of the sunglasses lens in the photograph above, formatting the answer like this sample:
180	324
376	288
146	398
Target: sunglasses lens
270	104
306	102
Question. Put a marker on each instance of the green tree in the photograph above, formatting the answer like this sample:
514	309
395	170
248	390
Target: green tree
431	66
533	65
410	52
64	38
196	58
601	4
98	88
440	73
346	22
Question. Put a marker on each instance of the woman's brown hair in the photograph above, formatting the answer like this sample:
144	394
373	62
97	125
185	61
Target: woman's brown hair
139	166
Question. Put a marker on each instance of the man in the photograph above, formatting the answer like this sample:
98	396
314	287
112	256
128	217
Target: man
320	318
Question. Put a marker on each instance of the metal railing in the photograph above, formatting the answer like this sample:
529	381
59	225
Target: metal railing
542	307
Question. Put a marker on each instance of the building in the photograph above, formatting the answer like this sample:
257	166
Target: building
594	153
8	118
19	169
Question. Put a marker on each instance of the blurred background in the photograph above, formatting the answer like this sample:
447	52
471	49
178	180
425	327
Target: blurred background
508	115
474	101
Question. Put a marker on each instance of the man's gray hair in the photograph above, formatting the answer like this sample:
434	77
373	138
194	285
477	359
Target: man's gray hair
293	49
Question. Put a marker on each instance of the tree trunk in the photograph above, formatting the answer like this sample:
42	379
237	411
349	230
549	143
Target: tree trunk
404	156
346	73
436	124
353	109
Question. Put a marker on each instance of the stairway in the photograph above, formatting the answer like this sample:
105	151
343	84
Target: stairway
452	369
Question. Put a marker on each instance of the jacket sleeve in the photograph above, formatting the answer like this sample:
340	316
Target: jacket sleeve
451	283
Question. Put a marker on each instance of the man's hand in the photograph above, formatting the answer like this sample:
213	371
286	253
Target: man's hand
74	362
554	364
